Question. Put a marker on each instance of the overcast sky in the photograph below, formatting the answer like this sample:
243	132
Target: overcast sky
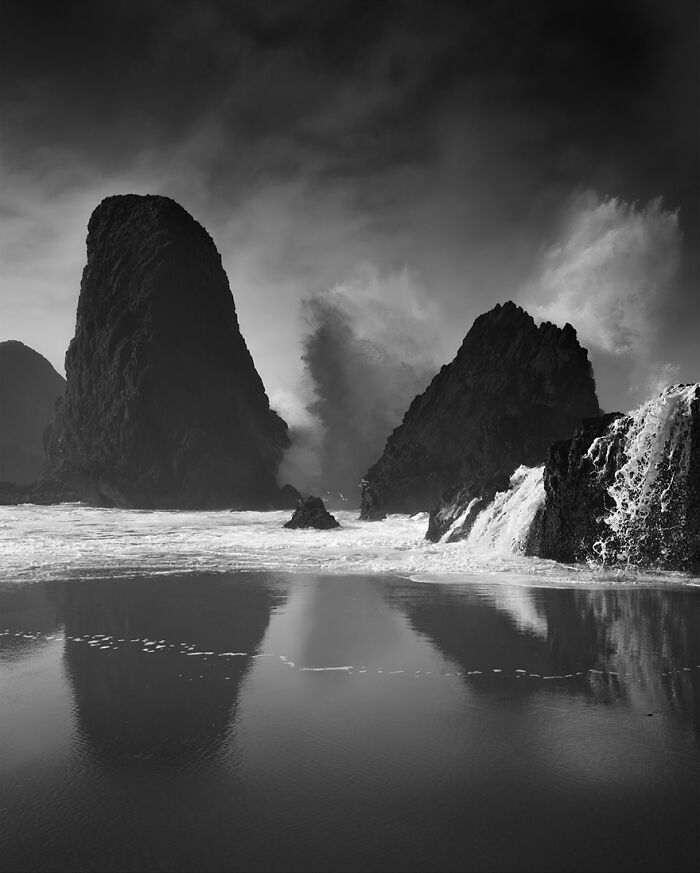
411	164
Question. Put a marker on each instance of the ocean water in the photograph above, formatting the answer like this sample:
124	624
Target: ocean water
208	691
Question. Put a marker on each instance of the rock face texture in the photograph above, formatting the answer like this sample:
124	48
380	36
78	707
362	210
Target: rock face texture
163	406
29	389
626	488
512	390
311	512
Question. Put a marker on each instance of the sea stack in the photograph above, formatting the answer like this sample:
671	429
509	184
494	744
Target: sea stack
513	389
164	407
312	512
29	389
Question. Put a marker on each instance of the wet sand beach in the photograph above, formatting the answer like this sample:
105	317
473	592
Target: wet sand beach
312	722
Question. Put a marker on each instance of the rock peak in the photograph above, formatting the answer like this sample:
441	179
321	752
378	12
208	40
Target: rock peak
164	406
29	389
512	389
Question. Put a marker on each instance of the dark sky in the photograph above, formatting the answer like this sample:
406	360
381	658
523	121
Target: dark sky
410	163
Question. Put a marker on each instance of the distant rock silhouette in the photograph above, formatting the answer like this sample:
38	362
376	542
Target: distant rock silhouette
626	488
512	390
29	389
288	498
164	407
311	512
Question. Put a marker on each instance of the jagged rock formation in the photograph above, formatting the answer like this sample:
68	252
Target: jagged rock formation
29	389
311	512
512	390
626	488
164	406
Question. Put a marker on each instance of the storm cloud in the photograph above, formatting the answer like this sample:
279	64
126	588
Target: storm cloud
442	141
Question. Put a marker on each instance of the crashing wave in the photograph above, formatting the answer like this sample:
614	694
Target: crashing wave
503	526
626	489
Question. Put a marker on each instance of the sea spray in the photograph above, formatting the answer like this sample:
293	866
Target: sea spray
649	489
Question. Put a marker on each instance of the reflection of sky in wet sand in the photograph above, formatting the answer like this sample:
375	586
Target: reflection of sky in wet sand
458	712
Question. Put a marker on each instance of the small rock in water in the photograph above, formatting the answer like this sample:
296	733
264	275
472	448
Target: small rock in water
311	512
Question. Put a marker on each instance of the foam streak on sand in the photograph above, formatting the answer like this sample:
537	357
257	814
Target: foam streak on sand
74	541
505	672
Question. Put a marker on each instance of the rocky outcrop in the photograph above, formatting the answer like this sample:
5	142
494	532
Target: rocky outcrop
311	512
512	390
163	407
29	389
625	490
44	491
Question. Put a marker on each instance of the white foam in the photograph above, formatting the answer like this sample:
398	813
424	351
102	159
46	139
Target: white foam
73	541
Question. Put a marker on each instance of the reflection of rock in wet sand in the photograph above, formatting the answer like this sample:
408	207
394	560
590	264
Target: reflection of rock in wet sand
628	644
651	641
476	633
134	700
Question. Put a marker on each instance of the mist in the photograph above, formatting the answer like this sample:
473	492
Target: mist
611	272
368	350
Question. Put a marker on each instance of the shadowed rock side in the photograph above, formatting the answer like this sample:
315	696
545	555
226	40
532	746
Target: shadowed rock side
311	512
512	390
163	407
29	389
626	488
